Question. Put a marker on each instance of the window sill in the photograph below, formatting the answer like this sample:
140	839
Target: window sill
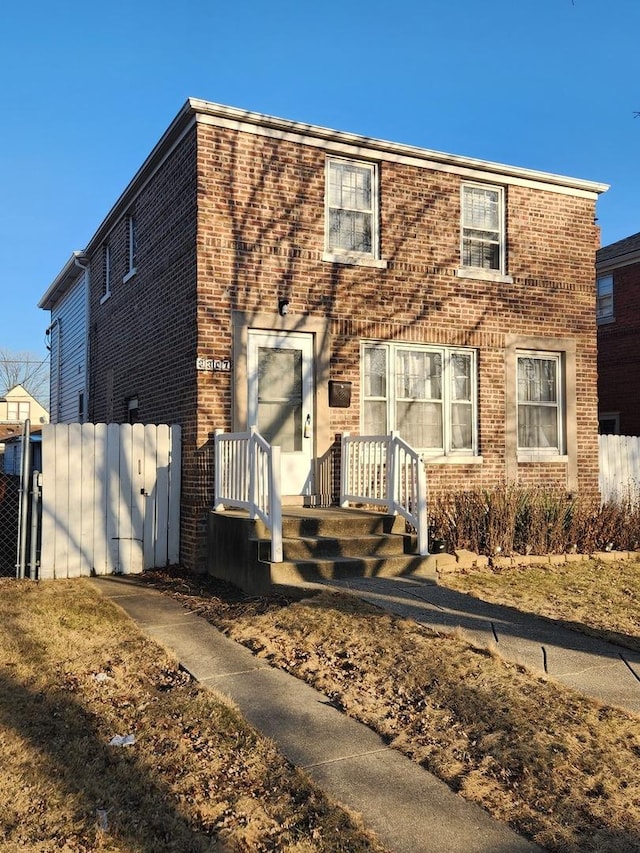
484	275
604	321
354	260
541	456
452	460
129	275
104	297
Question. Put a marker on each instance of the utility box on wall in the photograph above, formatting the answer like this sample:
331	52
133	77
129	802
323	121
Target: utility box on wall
339	394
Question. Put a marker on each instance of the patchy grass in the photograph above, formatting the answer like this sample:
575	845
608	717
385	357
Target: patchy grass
602	599
74	673
553	764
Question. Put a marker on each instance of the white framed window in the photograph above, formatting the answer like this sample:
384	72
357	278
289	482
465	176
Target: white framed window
482	228
540	402
351	211
427	394
106	284
604	298
18	411
131	248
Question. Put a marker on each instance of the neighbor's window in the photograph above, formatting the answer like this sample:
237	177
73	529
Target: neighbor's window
18	411
482	227
351	208
604	299
539	402
131	247
427	394
133	414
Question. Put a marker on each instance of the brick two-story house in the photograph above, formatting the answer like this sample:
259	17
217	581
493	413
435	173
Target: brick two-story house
618	315
253	262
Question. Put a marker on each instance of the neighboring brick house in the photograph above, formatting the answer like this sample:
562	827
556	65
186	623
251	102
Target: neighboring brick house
618	316
455	295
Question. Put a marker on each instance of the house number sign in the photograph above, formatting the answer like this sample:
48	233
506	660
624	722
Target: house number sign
213	364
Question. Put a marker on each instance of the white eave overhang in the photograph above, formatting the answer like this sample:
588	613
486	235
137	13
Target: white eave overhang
334	141
339	141
67	276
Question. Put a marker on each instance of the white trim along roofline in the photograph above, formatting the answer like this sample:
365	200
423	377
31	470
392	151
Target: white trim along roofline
205	112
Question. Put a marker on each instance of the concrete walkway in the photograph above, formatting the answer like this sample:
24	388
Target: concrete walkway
410	810
601	670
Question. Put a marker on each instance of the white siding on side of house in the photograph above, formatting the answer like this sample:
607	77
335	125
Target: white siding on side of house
69	354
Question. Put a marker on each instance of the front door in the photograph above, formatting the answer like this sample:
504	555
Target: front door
280	401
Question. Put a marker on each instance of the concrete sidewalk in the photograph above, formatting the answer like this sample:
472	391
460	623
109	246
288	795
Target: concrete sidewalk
601	670
410	810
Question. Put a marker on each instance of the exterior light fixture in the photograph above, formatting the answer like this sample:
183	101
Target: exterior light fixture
283	307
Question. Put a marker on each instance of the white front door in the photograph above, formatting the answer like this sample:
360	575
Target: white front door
280	401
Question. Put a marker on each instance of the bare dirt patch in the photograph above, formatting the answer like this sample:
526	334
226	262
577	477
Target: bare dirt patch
554	765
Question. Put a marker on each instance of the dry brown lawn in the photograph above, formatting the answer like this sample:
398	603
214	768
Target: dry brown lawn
74	673
553	764
595	597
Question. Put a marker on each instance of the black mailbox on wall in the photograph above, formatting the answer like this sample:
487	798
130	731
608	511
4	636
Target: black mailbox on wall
339	394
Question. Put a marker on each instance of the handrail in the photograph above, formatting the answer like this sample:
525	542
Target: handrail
383	470
247	476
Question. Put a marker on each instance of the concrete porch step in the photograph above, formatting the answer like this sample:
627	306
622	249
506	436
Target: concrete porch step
318	547
337	522
294	571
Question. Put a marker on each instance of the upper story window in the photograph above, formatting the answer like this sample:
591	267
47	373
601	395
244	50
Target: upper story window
540	402
131	248
482	228
351	212
427	394
106	284
18	411
604	298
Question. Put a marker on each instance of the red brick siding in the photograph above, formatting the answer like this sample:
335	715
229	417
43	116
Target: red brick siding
619	354
145	333
243	215
262	235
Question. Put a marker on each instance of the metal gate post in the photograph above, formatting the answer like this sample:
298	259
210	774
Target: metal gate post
36	493
23	510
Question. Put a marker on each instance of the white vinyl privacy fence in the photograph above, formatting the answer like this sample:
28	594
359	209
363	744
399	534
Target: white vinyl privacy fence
110	498
619	467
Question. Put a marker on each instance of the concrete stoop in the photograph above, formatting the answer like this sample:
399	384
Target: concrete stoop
318	544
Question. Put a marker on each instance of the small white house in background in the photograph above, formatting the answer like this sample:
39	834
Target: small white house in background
16	407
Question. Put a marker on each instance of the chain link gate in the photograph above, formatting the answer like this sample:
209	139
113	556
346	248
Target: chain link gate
18	510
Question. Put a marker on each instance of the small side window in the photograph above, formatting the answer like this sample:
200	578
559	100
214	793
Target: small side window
132	248
604	298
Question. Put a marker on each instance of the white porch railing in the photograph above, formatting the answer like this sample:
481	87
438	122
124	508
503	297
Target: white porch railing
384	470
247	476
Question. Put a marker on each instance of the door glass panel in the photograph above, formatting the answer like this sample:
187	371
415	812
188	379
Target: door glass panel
280	397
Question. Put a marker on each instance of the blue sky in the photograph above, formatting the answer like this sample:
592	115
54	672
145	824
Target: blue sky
87	89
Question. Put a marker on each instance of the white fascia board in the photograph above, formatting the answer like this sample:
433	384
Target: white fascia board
67	276
361	146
